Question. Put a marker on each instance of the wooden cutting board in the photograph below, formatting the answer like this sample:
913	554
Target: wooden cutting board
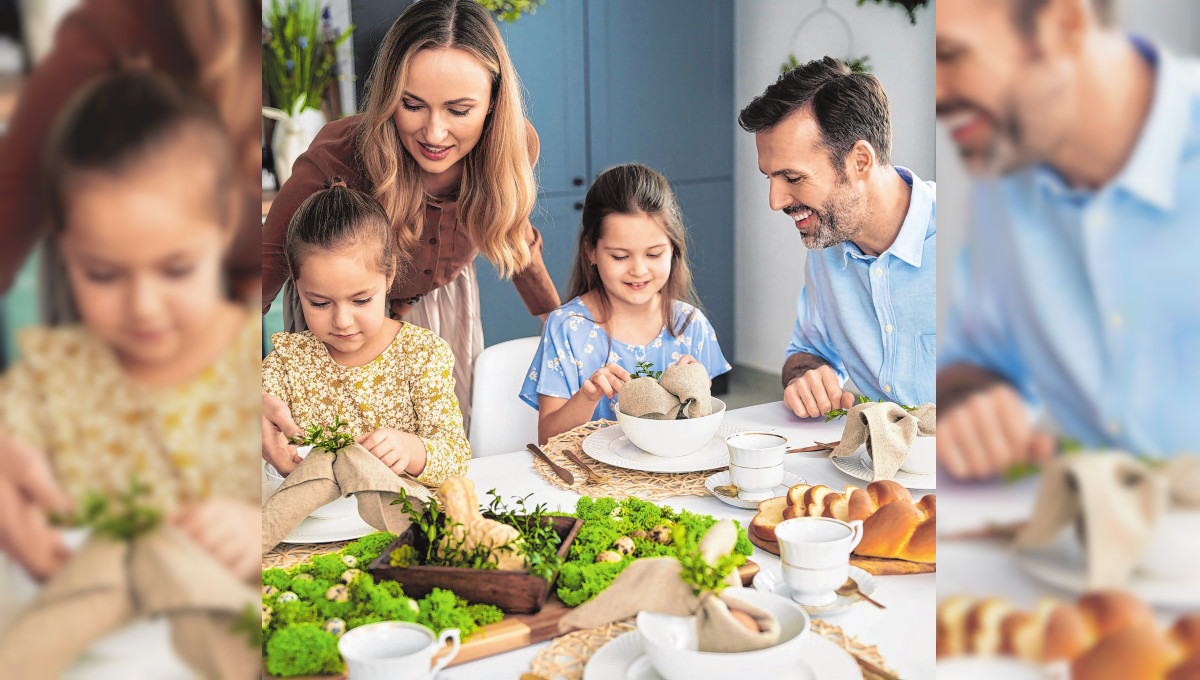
878	566
521	630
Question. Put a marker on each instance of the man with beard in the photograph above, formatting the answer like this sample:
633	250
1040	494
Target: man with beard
1078	291
867	309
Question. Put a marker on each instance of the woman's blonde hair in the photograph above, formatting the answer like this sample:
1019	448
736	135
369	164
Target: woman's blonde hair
498	188
633	189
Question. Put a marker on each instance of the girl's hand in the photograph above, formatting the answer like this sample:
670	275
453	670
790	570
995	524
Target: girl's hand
402	452
277	426
686	359
28	493
229	530
605	382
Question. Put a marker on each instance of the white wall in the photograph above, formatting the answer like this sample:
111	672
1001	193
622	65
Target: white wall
769	265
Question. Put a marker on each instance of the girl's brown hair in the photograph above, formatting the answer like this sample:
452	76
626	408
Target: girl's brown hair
123	119
339	217
498	188
633	189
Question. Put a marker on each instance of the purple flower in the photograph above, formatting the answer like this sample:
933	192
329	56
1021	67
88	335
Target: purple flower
290	64
303	42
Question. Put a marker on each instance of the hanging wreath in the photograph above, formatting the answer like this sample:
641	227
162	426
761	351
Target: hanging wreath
910	6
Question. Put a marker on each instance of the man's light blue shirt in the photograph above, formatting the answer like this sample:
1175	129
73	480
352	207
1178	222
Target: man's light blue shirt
1089	301
875	318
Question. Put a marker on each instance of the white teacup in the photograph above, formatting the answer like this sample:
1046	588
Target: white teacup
395	650
816	556
756	463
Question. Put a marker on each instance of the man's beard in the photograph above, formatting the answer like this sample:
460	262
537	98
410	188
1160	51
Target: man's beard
839	219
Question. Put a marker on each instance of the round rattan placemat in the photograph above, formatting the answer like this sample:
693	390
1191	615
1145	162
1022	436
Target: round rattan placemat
621	483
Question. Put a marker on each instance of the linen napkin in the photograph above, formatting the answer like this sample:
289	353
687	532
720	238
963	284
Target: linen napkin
109	583
1113	499
1183	475
654	584
888	431
681	392
323	477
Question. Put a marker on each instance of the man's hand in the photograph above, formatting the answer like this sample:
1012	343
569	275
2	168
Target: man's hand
277	426
28	494
816	392
985	432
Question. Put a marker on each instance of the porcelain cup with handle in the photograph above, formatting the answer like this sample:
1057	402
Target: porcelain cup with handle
756	463
815	552
396	650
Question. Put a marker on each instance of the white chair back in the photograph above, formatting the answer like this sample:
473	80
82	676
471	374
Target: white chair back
500	421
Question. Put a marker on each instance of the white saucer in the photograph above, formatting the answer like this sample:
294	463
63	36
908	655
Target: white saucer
1063	565
317	530
623	658
611	446
722	479
859	466
771	581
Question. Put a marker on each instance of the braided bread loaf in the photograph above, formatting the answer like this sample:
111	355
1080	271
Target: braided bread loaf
893	525
1107	634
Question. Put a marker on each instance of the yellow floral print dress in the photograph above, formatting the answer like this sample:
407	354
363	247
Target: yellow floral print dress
409	387
68	397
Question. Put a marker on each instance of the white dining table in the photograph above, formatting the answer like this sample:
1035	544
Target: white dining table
904	632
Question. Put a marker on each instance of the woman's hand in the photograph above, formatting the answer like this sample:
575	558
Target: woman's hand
686	359
402	452
28	494
605	382
277	426
229	530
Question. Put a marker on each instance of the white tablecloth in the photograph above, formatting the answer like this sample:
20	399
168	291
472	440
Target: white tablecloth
904	632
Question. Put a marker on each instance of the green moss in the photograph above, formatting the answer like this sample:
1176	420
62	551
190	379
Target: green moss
303	649
367	548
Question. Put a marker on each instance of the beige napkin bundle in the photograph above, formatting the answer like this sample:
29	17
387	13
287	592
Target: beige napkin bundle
110	583
888	431
653	584
1113	499
1183	475
323	477
682	392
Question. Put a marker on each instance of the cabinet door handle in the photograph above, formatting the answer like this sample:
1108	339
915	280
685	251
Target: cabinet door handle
578	205
578	181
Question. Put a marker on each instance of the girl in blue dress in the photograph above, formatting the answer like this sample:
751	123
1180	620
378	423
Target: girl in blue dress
632	302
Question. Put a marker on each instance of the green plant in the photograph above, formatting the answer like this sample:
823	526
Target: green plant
910	6
433	538
327	438
539	541
839	412
125	519
858	65
697	571
299	53
249	624
645	369
511	10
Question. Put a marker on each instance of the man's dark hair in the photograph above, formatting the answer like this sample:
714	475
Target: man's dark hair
1025	13
847	107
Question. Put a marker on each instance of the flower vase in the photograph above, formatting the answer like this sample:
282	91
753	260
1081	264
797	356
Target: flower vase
293	134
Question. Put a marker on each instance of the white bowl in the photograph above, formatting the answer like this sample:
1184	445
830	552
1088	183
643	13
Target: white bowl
670	642
922	457
672	438
342	507
1174	549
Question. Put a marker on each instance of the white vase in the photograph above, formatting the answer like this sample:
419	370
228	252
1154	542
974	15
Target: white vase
293	134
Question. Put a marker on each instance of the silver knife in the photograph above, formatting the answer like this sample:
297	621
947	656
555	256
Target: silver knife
562	472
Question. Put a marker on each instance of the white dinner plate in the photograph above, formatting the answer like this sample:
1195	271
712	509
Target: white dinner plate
611	446
623	659
770	580
859	466
1063	565
317	530
722	479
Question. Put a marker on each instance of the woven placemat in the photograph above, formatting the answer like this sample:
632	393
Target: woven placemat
287	554
566	656
622	483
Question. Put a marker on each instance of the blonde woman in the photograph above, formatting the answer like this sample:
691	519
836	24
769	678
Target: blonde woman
443	145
